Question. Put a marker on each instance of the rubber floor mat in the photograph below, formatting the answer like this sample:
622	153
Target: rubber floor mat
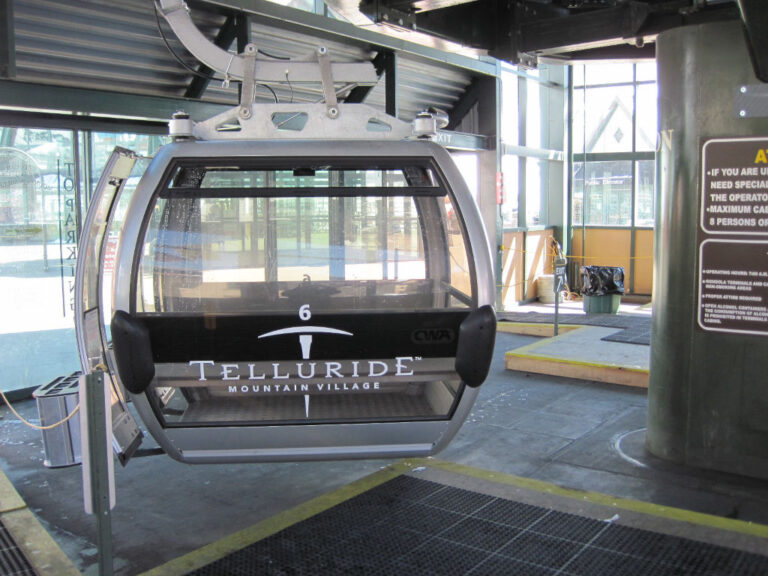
413	526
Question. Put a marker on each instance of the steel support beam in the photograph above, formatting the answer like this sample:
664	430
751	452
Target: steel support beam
7	40
29	95
522	132
614	156
481	92
462	141
608	26
291	19
243	31
390	87
224	39
242	68
467	24
462	107
538	153
97	471
386	65
359	93
519	31
243	35
20	119
613	52
622	21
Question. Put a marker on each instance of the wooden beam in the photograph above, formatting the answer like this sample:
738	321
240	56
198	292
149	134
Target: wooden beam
610	373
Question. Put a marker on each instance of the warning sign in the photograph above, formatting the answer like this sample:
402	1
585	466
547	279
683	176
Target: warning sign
735	186
733	236
733	286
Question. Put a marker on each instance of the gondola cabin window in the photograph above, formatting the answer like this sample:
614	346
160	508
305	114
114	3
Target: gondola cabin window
228	239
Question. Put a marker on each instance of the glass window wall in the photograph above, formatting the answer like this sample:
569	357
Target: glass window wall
603	119
38	250
608	187
614	131
645	186
510	203
647	113
614	140
534	213
43	199
530	116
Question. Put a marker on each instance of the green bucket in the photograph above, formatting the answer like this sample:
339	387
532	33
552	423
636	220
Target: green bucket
603	304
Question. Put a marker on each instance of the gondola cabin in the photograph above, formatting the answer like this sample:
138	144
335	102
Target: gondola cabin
295	300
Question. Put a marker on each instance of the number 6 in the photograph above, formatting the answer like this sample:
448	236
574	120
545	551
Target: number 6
304	313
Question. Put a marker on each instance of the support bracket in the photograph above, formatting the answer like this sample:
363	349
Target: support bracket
266	70
296	121
248	92
329	93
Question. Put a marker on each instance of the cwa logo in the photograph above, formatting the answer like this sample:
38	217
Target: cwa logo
433	336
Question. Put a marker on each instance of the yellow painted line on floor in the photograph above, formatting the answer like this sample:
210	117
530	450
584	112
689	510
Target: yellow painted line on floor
589	364
39	548
246	537
650	509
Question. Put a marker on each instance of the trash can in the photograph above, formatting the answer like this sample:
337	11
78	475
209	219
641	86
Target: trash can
602	287
55	401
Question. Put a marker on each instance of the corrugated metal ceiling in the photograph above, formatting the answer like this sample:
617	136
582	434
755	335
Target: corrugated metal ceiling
100	44
111	46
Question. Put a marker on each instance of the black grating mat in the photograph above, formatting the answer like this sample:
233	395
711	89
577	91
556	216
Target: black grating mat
635	329
414	526
12	559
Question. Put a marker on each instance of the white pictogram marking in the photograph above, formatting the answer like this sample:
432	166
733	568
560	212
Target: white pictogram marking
306	343
305	338
306	330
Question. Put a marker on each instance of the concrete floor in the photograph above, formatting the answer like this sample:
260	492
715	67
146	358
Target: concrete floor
589	344
576	434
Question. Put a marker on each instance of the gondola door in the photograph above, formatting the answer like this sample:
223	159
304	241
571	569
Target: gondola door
95	265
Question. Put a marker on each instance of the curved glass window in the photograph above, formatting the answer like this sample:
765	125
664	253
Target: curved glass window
249	241
232	254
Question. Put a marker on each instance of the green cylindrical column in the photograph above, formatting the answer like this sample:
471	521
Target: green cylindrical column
708	391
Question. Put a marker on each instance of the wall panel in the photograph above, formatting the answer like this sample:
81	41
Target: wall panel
643	262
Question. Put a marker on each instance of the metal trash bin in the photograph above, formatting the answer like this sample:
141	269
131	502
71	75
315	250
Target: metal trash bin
55	401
